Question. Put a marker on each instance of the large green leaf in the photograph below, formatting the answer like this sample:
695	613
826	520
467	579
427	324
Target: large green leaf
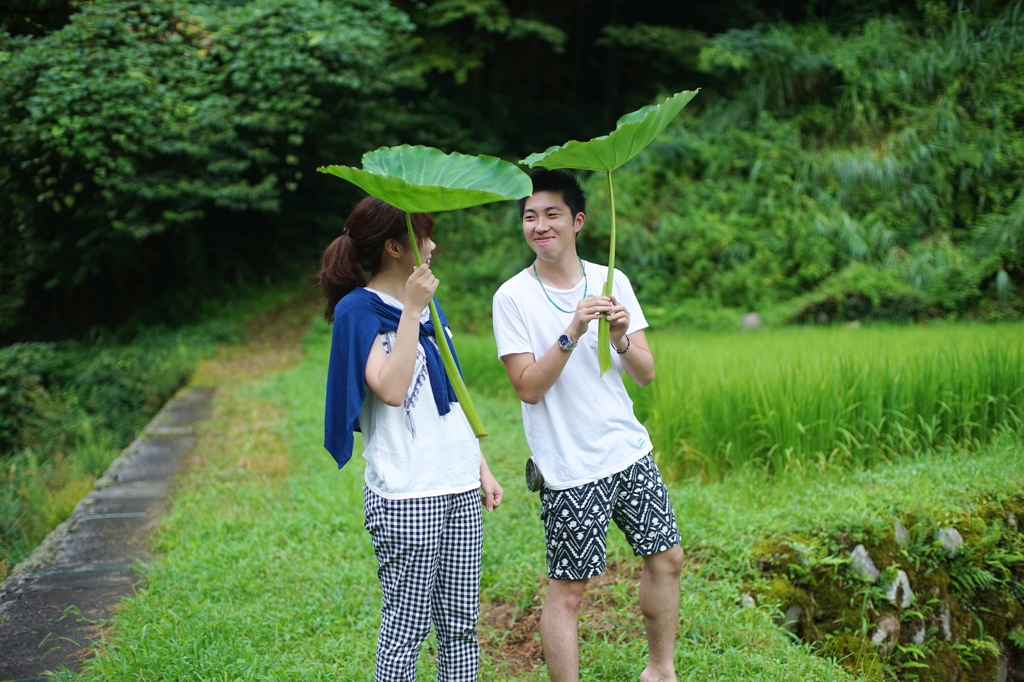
426	180
633	132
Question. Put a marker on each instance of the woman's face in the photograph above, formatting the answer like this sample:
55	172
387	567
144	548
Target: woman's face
408	259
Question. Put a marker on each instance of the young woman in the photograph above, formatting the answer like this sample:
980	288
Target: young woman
424	467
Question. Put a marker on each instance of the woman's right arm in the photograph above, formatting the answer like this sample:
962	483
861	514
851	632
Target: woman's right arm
389	376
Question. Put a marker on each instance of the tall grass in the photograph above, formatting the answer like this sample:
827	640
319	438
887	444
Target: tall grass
829	397
68	408
67	417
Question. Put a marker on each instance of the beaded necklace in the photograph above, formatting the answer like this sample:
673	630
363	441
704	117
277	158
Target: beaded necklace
585	284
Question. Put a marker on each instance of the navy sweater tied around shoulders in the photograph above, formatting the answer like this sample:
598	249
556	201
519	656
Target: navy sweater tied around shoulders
359	317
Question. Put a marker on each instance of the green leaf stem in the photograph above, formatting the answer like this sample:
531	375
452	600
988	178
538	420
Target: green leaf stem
447	358
604	332
633	132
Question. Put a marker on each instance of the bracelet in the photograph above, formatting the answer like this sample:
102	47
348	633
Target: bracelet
621	352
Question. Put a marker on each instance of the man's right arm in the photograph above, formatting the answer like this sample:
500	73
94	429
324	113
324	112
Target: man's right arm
532	377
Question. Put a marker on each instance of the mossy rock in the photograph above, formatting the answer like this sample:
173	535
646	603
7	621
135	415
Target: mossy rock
885	553
979	585
775	555
928	581
782	592
836	606
973	530
943	665
983	670
962	622
998	612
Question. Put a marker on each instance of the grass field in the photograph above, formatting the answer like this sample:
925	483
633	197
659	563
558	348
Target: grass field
815	397
830	396
267	573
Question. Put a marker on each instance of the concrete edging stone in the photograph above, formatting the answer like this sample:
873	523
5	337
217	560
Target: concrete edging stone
86	564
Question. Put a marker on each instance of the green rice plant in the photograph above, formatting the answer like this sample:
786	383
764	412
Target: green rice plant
829	397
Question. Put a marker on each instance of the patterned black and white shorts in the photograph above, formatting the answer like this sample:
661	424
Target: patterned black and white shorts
576	520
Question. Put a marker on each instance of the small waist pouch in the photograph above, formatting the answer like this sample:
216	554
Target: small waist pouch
534	479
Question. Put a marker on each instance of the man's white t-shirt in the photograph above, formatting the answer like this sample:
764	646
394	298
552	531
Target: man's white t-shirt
583	428
411	450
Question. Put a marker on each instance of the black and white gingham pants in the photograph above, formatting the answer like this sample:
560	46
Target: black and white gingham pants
428	556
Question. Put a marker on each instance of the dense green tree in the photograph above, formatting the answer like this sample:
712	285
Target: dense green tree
509	76
157	140
896	146
824	175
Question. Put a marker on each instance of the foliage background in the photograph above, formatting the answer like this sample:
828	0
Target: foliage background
830	177
153	147
843	160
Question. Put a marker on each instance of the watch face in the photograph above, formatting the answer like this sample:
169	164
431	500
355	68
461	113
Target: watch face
565	343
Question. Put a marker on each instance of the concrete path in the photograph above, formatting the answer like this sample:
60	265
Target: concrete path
52	605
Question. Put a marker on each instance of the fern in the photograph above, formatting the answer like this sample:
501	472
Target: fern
1017	636
968	578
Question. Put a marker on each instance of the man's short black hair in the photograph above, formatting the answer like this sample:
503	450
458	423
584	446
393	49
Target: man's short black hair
561	181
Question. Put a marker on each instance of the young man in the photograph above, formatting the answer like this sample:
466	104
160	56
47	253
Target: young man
594	456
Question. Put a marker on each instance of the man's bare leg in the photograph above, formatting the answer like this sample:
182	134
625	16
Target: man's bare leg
558	629
659	602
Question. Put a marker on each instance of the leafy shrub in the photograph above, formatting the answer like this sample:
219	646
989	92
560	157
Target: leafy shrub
26	372
859	292
125	386
69	408
66	412
693	314
153	141
896	146
48	387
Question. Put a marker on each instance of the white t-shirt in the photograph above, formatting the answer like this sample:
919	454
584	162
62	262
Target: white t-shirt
583	428
412	451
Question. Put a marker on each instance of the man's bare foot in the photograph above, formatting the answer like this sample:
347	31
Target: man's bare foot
649	675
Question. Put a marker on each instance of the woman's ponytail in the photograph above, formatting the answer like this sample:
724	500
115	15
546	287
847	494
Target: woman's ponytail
339	273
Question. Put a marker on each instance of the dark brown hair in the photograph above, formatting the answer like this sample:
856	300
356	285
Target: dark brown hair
360	248
559	181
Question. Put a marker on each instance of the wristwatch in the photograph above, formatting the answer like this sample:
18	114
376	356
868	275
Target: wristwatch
565	342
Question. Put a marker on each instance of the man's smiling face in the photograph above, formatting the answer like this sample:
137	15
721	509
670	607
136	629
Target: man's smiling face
549	226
